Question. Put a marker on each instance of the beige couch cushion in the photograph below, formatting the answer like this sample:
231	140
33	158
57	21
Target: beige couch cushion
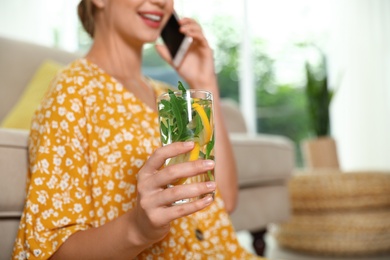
13	171
233	117
257	206
262	158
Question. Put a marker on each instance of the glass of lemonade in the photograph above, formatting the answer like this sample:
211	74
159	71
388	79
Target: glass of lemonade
187	115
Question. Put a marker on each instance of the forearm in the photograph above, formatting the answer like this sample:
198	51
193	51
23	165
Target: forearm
226	171
117	239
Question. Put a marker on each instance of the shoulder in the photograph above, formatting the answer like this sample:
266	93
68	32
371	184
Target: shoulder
70	86
79	78
78	73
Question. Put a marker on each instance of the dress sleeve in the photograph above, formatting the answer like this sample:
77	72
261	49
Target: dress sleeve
59	197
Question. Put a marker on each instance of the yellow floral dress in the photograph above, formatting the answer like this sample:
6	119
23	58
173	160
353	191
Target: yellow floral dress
88	140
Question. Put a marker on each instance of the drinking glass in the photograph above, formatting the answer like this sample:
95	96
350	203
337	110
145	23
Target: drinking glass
187	115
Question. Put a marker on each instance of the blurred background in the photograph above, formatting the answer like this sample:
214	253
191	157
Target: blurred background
265	52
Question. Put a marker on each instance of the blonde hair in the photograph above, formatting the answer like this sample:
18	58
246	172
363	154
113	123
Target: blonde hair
86	11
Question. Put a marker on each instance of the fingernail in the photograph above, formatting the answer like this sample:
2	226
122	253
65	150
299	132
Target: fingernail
210	185
208	163
208	200
188	144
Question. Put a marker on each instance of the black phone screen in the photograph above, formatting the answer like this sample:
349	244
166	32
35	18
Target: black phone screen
172	36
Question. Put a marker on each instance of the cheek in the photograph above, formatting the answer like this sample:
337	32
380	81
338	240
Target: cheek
169	6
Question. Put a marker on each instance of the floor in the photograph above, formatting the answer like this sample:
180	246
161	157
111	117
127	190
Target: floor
274	252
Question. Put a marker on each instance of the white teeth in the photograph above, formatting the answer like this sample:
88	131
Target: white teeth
152	17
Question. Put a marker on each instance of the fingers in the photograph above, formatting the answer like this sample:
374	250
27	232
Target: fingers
162	216
175	172
170	174
186	209
185	191
191	28
158	158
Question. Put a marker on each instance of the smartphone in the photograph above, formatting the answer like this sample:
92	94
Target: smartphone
176	42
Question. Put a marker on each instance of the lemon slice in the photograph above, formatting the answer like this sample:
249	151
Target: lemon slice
188	157
205	135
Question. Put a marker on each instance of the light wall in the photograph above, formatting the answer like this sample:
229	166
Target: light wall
38	20
360	72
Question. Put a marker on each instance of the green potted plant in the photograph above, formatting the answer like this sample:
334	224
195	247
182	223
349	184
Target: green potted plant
320	150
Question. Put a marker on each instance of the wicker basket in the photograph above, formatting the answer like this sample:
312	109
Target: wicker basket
332	191
338	213
341	234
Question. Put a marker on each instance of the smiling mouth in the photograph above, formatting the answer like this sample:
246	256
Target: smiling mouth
152	17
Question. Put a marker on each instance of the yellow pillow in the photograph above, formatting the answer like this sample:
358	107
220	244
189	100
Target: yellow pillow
21	114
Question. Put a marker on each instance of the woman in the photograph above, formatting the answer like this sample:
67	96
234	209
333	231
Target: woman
96	181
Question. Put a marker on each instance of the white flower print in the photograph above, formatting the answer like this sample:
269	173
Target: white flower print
75	107
71	90
42	198
46	214
111	215
97	191
37	252
79	80
106	199
68	162
64	221
172	243
61	99
60	150
78	207
128	136
132	188
128	148
117	198
48	114
70	116
91	100
54	124
82	122
59	87
61	111
111	158
57	204
57	161
110	185
34	208
38	181
44	165
64	125
100	212
84	170
52	182
76	143
88	200
64	184
119	138
139	163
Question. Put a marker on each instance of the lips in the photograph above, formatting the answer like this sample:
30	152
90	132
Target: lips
152	19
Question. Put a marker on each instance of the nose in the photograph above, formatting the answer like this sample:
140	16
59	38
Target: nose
159	2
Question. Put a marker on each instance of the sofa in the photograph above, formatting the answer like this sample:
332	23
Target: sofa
265	162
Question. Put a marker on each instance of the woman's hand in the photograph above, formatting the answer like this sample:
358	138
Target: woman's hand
154	212
197	67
